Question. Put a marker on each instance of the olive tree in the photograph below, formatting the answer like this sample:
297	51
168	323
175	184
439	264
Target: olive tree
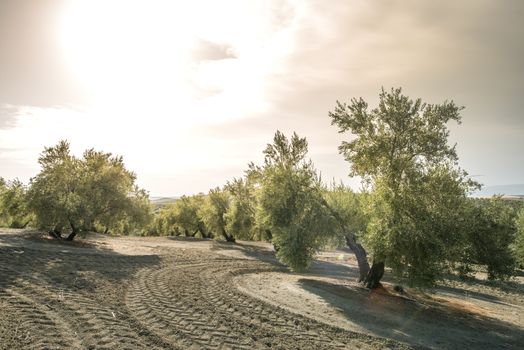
13	204
54	194
400	150
213	213
518	244
490	235
182	217
290	203
346	207
82	193
240	217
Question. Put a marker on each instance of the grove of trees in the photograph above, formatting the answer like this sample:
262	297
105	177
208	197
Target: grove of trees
93	193
414	215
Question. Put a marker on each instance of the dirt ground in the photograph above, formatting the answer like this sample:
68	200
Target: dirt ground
163	293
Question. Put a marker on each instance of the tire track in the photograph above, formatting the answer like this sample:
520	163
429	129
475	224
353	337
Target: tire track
183	299
198	305
35	327
90	324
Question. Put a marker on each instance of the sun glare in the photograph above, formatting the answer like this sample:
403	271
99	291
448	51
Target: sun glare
122	50
136	57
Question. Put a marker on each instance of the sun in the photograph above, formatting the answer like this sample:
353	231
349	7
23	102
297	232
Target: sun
136	59
127	49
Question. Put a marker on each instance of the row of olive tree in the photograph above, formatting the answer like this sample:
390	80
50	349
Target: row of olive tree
415	216
281	200
70	194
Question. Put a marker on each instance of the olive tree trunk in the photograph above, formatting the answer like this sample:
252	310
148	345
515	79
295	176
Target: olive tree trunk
374	275
228	238
74	231
360	254
351	241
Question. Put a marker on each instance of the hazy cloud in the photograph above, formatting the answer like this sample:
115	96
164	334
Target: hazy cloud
8	116
469	51
32	70
208	51
281	65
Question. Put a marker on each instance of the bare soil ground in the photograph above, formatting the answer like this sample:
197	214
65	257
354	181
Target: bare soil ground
145	293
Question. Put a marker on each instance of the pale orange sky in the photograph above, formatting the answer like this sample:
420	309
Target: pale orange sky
190	91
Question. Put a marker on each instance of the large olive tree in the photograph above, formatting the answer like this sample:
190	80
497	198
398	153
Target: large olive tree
400	149
83	193
290	202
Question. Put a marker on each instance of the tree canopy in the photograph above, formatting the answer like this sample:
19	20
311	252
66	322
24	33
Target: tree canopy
414	215
96	190
13	204
290	202
518	244
400	150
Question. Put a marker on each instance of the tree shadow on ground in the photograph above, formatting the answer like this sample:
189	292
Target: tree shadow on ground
66	266
188	239
250	250
512	286
426	323
466	293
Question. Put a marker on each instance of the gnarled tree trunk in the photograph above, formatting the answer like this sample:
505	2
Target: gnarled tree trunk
360	254
374	275
74	231
56	232
351	241
228	238
269	236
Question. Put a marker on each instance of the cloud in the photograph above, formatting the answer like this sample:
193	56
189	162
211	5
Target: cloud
261	66
8	116
470	52
209	51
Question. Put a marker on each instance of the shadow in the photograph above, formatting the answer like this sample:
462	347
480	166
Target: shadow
256	250
507	286
466	293
418	322
323	268
187	239
65	266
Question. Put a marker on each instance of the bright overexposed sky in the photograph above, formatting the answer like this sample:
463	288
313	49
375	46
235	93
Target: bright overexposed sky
189	92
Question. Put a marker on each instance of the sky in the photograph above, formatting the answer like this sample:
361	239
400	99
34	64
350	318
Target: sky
189	92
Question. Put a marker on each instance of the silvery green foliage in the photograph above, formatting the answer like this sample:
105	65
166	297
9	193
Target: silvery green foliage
518	245
400	150
240	218
13	204
213	213
490	232
95	192
290	202
349	208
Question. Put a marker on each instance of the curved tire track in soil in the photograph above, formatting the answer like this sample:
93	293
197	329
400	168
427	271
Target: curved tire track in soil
54	299
55	315
36	327
197	304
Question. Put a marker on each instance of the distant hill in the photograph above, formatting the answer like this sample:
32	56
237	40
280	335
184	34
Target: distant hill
161	201
510	191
